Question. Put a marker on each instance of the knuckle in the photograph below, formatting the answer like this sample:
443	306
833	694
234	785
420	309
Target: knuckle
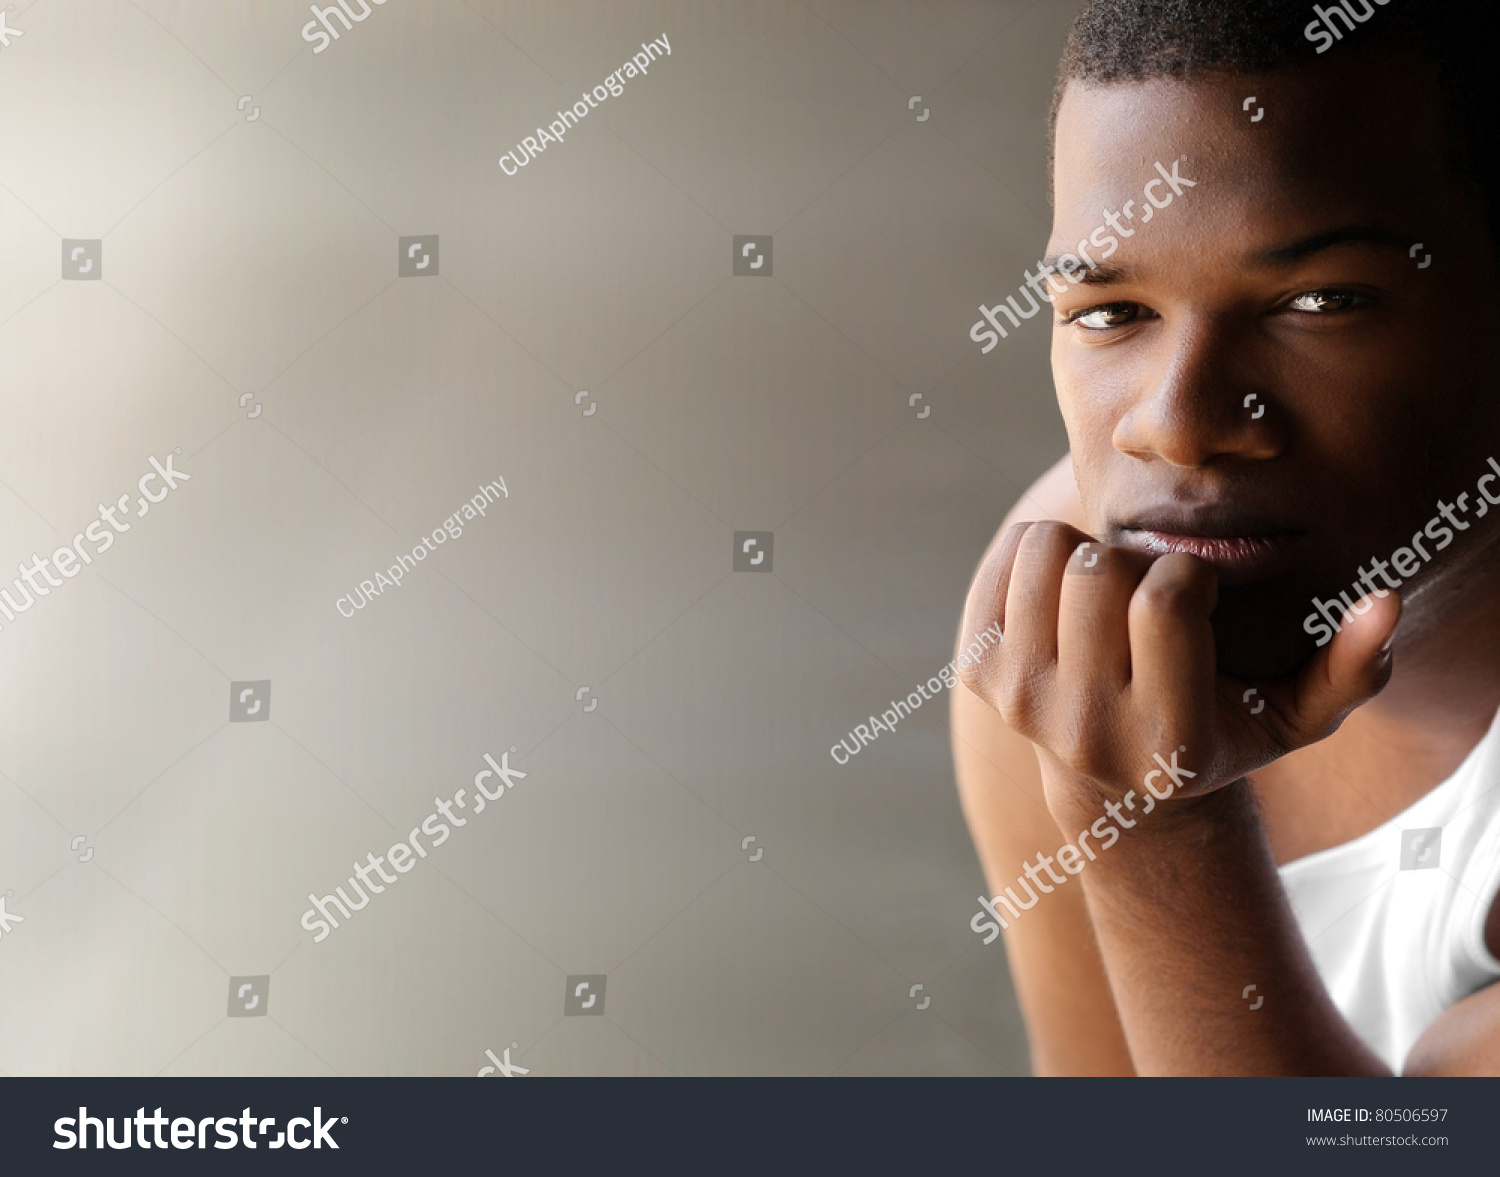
1011	694
1087	746
976	678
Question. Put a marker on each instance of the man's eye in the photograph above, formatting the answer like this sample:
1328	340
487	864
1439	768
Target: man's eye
1321	302
1116	314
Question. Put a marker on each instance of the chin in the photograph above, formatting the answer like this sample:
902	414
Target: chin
1258	635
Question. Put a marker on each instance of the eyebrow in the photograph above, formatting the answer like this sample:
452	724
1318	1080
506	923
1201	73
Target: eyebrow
1100	274
1277	257
1298	251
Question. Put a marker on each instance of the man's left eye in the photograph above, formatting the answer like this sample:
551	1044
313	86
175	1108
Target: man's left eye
1324	301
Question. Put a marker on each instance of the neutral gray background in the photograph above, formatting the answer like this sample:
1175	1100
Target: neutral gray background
261	257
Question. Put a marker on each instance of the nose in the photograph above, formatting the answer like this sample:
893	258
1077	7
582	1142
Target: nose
1201	399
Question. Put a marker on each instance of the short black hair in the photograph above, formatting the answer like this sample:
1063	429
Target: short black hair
1138	40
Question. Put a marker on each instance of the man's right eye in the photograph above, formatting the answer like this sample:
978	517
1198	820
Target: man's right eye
1102	318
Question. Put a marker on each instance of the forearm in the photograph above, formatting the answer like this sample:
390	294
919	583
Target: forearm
1071	1025
1054	963
1189	911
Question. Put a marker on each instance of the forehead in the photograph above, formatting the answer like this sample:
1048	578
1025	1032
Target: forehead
1362	138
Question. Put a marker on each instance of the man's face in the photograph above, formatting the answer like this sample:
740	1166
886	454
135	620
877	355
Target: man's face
1263	362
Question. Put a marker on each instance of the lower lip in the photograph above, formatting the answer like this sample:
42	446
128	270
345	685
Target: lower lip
1236	558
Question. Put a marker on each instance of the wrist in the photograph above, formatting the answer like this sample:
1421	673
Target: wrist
1151	809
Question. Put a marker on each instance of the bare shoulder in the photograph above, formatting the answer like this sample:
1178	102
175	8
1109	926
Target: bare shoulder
1052	496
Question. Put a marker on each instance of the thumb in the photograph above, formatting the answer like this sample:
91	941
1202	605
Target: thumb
1351	669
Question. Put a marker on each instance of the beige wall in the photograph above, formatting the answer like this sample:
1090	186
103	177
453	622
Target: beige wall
258	254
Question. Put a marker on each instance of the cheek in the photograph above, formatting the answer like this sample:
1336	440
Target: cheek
1090	399
1065	386
1094	393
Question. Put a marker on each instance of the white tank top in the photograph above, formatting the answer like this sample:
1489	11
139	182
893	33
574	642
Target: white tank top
1396	947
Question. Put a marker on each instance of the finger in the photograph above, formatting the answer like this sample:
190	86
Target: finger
984	611
1032	599
1171	639
1349	670
1093	633
985	605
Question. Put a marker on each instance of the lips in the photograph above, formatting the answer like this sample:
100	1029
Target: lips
1255	554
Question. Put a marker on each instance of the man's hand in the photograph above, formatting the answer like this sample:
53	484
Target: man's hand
1108	658
1107	666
